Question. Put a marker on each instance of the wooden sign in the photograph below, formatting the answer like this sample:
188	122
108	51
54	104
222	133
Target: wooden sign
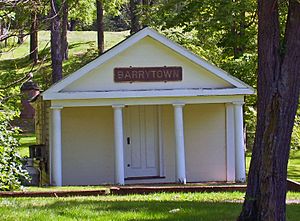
148	74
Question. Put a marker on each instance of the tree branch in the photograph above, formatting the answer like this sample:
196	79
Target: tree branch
22	79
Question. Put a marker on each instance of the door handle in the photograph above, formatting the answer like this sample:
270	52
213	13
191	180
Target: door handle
128	140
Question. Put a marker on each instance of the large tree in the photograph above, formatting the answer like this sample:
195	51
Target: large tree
100	26
139	11
33	48
135	14
56	55
109	7
278	95
64	30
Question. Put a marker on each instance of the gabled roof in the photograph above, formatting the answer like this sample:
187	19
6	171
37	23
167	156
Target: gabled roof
56	88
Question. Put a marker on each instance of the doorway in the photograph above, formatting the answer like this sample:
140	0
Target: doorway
141	141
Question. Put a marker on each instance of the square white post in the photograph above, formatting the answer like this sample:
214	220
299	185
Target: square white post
119	146
56	155
230	143
179	137
240	170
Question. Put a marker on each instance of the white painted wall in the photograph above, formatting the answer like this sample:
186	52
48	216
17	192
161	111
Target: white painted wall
87	140
87	145
147	53
205	142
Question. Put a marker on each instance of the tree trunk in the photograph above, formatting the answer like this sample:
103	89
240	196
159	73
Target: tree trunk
21	36
235	35
135	16
278	94
72	24
56	56
2	33
34	38
242	28
100	26
64	32
238	30
1	29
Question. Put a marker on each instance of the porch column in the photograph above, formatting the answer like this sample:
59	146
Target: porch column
230	143
119	153
240	172
56	147
179	137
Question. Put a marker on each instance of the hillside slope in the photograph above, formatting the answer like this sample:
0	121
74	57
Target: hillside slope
14	61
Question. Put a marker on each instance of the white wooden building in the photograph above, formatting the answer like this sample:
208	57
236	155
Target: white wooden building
147	111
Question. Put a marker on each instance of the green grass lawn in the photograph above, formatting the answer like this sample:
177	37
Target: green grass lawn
79	41
293	166
163	206
82	49
26	140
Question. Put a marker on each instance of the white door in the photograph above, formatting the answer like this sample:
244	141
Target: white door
141	141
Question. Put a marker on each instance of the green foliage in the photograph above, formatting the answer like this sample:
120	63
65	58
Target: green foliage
250	125
230	25
83	11
201	26
11	171
295	142
113	7
223	32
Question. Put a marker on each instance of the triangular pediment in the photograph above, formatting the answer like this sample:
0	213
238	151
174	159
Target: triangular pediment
146	61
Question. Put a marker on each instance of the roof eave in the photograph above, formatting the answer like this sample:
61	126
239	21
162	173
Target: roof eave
146	94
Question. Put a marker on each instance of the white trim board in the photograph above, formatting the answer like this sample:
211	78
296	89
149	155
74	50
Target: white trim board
146	93
147	101
56	88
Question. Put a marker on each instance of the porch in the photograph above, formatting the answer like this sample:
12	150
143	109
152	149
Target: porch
174	143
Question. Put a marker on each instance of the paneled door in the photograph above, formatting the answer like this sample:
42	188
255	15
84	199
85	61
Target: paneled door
141	141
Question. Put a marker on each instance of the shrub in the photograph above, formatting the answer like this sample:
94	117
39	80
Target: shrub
11	171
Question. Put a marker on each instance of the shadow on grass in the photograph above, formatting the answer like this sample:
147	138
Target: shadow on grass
12	69
43	76
11	63
78	61
78	44
137	210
